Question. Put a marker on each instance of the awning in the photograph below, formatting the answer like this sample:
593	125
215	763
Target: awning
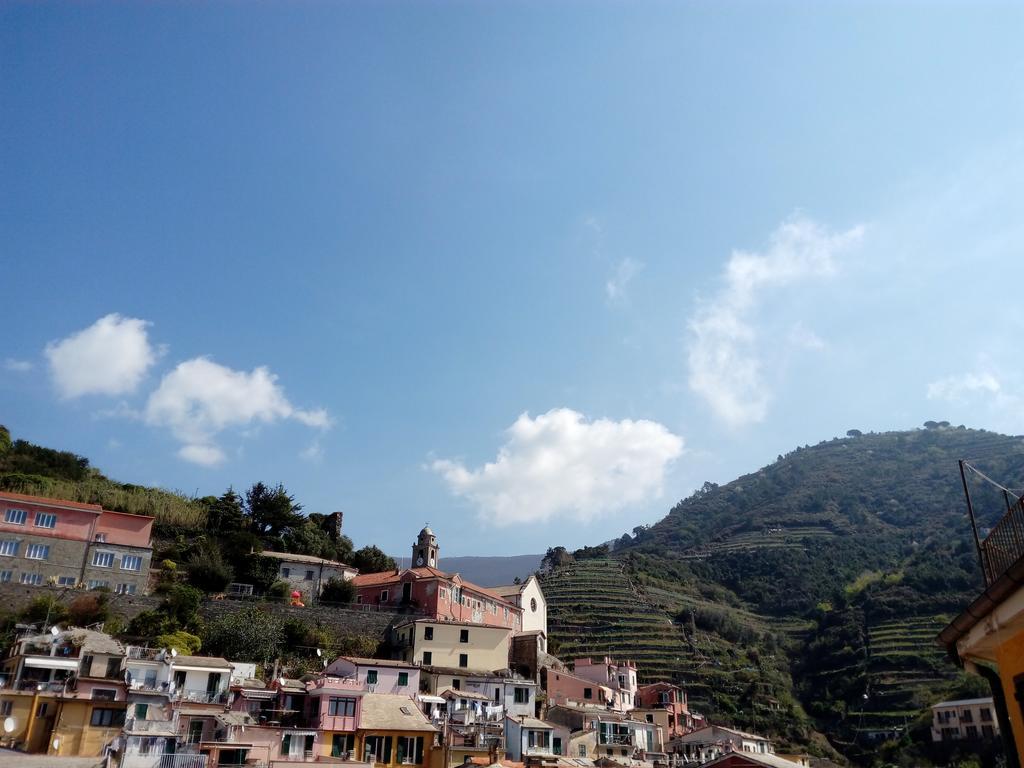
431	699
50	662
248	693
190	668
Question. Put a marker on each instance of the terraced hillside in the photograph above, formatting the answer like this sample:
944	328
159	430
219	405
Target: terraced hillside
596	609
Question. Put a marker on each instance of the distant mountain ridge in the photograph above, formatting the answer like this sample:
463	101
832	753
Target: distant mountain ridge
487	571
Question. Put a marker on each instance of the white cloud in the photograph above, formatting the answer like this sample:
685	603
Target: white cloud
200	398
725	367
110	357
624	273
18	366
313	453
206	455
959	387
559	463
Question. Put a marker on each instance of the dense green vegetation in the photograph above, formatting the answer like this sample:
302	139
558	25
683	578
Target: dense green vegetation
808	593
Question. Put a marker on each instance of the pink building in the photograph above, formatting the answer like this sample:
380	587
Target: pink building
670	699
567	688
377	675
439	595
66	543
619	676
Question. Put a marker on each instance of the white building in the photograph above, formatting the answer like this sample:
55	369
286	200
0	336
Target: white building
964	720
530	737
530	598
307	574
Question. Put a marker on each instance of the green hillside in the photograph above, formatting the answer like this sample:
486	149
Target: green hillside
815	585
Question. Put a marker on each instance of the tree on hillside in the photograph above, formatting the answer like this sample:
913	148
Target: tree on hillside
555	557
249	634
271	512
370	559
314	538
225	514
854	433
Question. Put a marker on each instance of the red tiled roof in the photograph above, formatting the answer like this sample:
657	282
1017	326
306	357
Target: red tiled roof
424	572
50	502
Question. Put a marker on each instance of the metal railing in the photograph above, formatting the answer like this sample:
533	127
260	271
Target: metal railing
200	696
1004	544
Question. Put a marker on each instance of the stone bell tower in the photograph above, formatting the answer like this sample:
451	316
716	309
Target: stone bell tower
425	550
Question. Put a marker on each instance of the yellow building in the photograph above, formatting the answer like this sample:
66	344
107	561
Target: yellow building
452	644
65	693
988	637
394	731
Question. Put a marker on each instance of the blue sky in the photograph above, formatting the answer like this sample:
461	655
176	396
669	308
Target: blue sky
531	272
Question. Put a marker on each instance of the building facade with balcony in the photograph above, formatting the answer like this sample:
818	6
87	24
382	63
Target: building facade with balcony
529	738
392	731
66	543
64	692
378	675
964	720
665	704
618	676
603	733
987	638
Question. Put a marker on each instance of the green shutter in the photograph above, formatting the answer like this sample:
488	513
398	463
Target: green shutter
387	750
419	750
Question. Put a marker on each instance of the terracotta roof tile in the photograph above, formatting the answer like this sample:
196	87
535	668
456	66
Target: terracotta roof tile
51	502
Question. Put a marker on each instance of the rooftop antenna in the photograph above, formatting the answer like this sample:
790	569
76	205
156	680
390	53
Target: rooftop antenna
174	652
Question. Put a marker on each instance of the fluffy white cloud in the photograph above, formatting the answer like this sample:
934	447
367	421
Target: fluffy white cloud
110	357
17	366
200	398
624	273
959	387
724	365
559	463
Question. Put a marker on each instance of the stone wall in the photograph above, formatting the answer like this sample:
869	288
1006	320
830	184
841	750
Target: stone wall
343	621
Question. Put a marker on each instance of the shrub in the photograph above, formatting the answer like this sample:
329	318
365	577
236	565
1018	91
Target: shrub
208	571
338	591
181	641
90	608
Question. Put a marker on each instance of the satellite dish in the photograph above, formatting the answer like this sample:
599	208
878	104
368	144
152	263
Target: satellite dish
56	743
174	652
319	653
280	681
10	724
54	630
325	663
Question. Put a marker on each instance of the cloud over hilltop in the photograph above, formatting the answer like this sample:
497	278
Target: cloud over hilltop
110	357
561	463
726	367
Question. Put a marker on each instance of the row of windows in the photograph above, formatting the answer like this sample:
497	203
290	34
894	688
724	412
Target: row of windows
428	658
19	516
36	580
287	572
9	548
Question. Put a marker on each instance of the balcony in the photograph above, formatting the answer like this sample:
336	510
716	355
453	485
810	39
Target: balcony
618	739
150	727
145	654
199	696
1004	544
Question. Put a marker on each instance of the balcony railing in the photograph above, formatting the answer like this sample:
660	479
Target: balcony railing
617	739
200	696
134	725
1004	544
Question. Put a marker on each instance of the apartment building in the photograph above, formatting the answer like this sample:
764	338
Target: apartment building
460	646
601	733
665	705
964	720
68	543
377	675
617	676
63	692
